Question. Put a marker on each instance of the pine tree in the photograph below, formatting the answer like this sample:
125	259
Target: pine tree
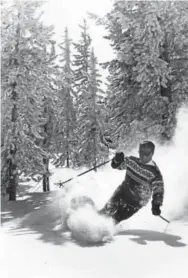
97	149
48	105
91	122
81	61
81	78
149	41
26	77
89	103
173	20
65	135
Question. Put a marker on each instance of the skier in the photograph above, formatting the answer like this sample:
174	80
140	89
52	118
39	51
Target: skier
143	180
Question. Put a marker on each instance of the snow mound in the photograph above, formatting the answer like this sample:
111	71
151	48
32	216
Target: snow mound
79	216
87	226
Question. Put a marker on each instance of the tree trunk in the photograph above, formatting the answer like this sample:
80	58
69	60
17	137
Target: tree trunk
12	164
46	142
67	127
68	164
12	175
46	181
12	179
46	184
95	151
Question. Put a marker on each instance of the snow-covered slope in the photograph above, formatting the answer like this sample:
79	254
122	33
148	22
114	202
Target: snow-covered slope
38	251
33	248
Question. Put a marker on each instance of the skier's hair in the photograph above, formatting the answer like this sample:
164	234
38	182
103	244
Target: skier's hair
148	144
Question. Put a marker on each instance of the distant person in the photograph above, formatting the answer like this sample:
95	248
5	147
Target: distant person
143	180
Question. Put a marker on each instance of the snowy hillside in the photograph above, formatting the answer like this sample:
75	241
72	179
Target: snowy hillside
145	247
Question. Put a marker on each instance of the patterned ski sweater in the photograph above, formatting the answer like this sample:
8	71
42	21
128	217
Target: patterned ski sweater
142	181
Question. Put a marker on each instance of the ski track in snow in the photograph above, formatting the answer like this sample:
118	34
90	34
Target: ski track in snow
33	249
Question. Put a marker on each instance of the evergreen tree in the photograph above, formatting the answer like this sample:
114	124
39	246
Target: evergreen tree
81	61
97	132
91	122
150	43
27	71
48	105
81	78
66	110
89	94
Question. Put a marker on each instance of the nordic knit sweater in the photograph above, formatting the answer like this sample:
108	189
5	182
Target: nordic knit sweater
142	181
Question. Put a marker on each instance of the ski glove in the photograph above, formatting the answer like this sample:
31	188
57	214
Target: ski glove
117	160
156	209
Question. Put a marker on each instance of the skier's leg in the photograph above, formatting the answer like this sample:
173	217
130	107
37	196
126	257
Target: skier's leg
118	207
124	212
113	203
119	210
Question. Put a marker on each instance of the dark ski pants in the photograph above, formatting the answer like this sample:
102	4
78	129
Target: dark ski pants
119	212
119	206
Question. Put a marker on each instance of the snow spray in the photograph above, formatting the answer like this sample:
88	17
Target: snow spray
173	163
80	217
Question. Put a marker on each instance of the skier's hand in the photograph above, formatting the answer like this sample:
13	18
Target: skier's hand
119	156
156	209
118	159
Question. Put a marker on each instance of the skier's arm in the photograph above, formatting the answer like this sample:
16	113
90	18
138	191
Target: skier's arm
119	161
158	193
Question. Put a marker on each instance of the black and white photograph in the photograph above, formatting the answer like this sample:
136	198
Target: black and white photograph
94	139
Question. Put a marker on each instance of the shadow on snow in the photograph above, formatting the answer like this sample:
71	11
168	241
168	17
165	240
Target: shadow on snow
36	215
143	236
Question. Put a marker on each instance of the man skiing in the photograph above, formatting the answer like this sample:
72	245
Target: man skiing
143	180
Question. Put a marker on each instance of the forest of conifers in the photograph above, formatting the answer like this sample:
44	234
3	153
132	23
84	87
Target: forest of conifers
56	104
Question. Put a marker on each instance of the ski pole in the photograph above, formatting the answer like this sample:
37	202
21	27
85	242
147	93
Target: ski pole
61	184
168	222
164	219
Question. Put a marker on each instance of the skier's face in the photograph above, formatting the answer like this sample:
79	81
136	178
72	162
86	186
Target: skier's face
145	154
